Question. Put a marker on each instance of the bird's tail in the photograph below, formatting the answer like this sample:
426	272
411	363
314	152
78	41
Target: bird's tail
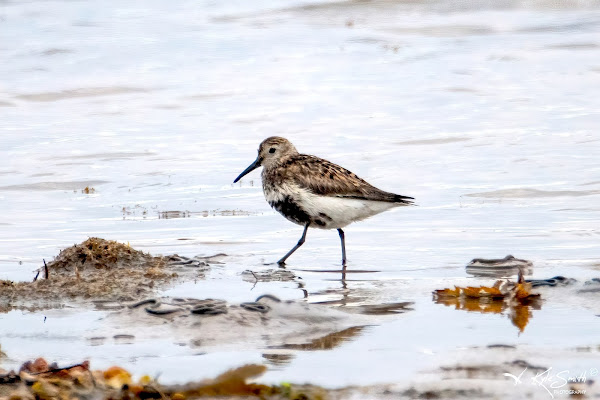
404	200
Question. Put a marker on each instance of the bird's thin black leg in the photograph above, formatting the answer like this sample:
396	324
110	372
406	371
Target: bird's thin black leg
341	232
300	243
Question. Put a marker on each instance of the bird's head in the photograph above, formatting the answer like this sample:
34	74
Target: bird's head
271	151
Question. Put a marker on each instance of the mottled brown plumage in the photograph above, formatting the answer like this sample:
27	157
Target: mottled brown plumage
311	191
325	178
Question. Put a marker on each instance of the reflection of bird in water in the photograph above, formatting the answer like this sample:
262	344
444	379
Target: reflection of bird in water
311	191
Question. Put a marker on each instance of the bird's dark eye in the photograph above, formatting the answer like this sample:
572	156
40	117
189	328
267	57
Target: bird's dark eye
272	150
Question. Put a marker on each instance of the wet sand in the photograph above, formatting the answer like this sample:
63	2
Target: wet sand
115	280
485	113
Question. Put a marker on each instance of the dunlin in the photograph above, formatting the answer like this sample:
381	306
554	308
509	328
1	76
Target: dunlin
314	192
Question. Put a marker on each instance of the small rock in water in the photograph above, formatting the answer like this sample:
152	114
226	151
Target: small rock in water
498	266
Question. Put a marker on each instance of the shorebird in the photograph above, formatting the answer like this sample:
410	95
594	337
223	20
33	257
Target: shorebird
314	192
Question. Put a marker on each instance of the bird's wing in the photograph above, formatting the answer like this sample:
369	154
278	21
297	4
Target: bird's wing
325	178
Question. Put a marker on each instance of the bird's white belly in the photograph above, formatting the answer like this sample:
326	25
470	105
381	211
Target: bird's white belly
325	212
331	212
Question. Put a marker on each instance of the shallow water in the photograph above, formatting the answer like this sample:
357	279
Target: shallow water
486	114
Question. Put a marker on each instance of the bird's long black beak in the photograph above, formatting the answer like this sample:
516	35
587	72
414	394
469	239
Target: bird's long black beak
250	168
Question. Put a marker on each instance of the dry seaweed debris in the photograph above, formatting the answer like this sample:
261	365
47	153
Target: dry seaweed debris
102	254
502	290
516	298
38	380
96	268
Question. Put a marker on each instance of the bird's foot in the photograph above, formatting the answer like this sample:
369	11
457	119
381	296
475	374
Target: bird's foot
282	265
